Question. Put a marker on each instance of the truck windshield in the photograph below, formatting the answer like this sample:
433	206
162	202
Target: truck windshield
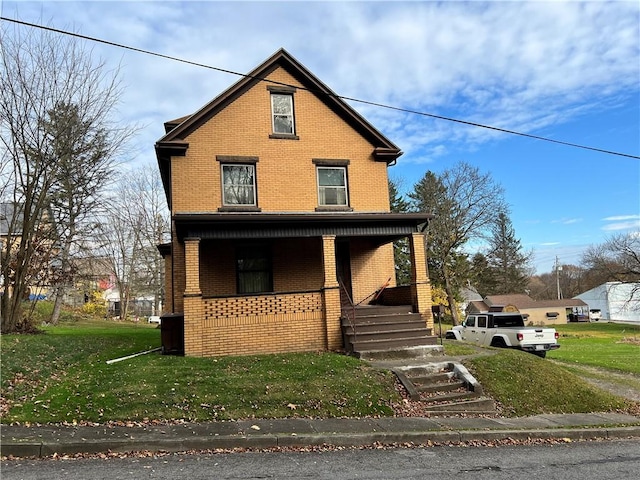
508	321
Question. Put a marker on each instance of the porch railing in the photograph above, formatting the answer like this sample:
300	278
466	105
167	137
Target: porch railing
348	309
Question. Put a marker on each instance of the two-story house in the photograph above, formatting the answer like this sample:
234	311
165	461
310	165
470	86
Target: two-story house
278	193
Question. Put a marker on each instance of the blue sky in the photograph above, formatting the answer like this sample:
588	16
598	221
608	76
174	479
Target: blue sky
567	70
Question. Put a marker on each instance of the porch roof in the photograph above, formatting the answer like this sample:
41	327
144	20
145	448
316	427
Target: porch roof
384	226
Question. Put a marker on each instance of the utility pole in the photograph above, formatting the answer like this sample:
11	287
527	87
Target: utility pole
558	269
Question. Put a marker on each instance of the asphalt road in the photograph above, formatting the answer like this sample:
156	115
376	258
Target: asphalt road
618	460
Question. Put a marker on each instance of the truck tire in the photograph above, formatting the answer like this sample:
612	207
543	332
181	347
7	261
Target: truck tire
498	342
541	354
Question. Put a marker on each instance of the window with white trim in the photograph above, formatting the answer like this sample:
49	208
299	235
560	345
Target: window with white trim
332	186
238	185
282	113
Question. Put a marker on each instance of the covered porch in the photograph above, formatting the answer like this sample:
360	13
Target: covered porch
270	283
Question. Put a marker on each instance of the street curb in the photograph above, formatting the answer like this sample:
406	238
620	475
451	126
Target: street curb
228	442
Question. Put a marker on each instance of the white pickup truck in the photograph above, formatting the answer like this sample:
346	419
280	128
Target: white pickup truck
506	330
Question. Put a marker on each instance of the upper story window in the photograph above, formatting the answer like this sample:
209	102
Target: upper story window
282	113
238	185
332	186
238	181
283	121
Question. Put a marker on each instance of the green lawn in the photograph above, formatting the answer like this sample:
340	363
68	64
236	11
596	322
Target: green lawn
606	345
62	375
525	384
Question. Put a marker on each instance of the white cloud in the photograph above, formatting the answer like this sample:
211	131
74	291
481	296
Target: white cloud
617	218
621	222
515	65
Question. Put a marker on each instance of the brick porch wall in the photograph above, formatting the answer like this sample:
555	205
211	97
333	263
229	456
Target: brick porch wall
371	267
228	329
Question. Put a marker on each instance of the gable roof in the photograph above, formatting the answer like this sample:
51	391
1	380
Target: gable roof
173	143
525	301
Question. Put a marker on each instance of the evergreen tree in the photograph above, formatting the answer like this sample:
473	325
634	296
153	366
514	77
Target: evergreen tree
508	263
482	275
401	254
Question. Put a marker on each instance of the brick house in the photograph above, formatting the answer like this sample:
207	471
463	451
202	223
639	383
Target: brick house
278	193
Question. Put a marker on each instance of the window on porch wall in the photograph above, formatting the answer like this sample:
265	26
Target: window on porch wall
254	269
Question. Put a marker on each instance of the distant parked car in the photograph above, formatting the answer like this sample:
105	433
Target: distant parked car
154	319
595	314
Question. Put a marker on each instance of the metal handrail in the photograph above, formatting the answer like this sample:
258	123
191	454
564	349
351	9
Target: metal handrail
348	308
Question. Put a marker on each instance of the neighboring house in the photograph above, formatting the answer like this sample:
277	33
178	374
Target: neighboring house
539	312
615	300
11	230
469	294
278	193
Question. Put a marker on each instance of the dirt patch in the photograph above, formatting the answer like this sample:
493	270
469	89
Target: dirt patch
626	385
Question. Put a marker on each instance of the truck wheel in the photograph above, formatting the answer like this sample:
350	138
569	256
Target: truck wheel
542	354
498	342
450	336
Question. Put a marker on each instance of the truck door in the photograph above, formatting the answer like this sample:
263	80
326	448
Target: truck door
482	329
469	330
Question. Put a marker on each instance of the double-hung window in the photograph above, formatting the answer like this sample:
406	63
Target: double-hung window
332	186
238	175
282	113
238	185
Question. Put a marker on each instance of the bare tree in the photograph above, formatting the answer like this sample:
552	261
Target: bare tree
136	222
616	260
465	204
150	200
58	134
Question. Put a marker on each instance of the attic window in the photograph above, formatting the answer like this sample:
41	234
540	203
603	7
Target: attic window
282	114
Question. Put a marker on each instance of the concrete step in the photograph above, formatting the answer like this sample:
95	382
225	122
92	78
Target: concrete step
429	379
479	405
440	387
361	345
383	326
452	397
445	388
420	353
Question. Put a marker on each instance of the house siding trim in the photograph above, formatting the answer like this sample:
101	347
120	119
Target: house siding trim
248	226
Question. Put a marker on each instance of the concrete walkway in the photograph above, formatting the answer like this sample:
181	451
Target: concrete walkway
42	441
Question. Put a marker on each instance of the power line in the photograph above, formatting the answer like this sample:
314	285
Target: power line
350	99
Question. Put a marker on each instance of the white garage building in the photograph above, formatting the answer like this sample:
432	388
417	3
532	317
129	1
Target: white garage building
616	300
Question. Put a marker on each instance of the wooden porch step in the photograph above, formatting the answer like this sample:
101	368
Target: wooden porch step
395	318
386	334
383	326
373	310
